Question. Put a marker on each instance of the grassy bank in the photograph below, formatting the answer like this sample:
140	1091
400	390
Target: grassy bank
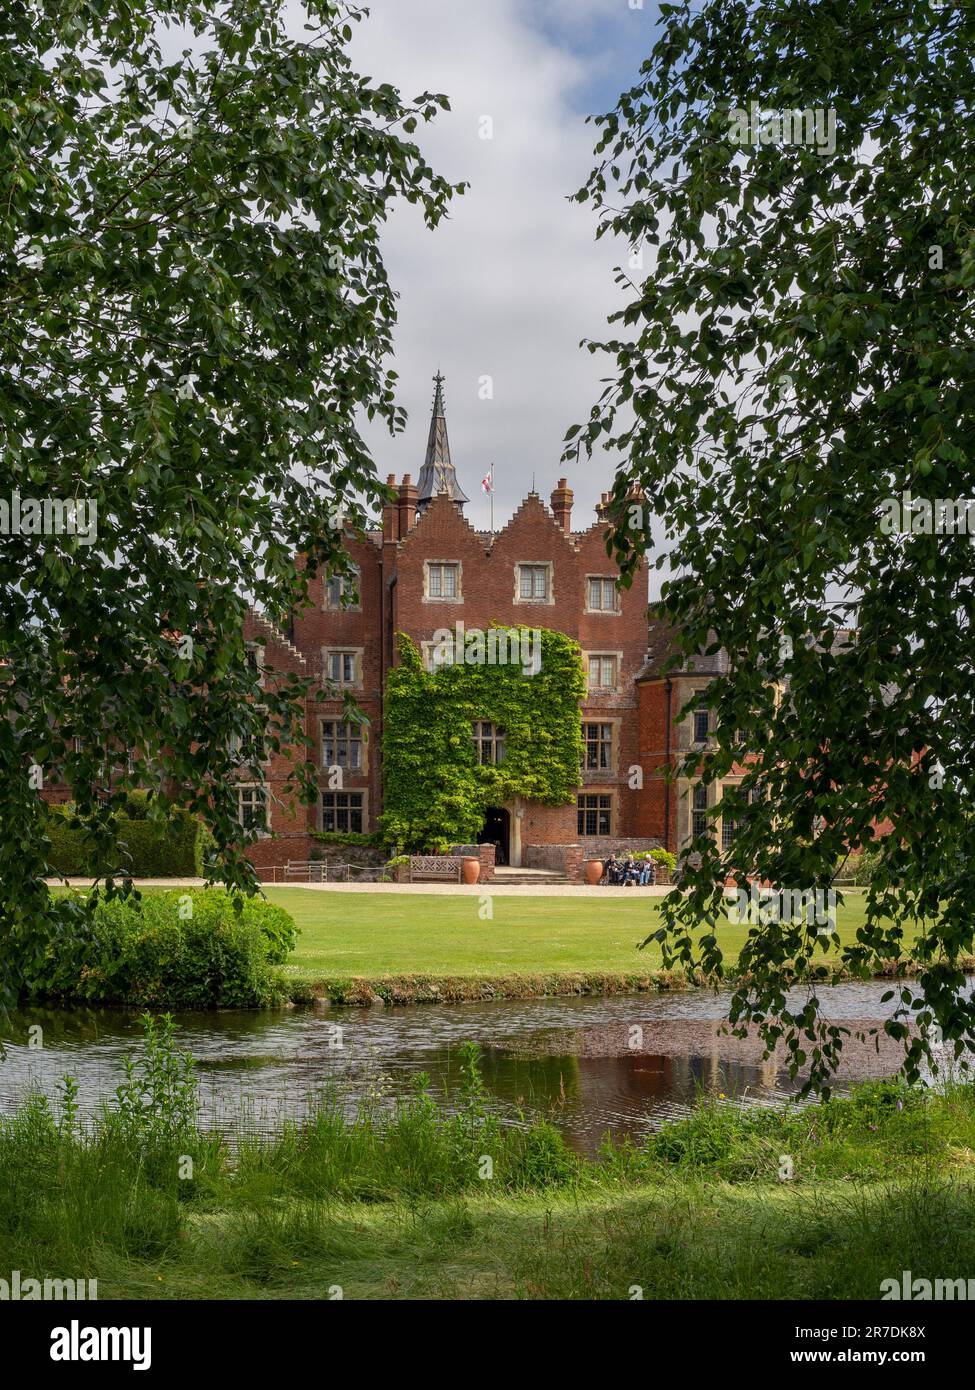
427	948
418	1203
394	948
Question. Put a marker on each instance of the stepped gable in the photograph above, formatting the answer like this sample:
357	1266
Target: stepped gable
441	517
533	511
268	629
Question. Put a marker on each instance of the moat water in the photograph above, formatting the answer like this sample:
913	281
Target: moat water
620	1066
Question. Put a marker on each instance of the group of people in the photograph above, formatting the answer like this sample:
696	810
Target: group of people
621	873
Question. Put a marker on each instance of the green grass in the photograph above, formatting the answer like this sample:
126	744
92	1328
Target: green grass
375	934
398	1208
403	948
709	1242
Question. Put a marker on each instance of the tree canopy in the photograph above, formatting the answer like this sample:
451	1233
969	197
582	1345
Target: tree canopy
194	322
796	357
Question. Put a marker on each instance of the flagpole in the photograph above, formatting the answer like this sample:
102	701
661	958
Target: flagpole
487	485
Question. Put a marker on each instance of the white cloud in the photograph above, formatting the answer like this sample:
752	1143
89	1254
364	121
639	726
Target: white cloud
509	286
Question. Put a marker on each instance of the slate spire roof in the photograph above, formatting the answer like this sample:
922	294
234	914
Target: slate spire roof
437	474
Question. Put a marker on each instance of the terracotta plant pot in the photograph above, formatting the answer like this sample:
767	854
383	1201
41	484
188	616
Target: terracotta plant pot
471	869
594	870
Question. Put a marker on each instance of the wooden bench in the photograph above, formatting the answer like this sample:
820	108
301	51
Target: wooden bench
308	870
442	868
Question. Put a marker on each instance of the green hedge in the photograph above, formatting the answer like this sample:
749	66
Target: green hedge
349	837
177	949
146	849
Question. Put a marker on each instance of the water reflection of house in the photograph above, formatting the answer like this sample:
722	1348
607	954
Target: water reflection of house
629	1082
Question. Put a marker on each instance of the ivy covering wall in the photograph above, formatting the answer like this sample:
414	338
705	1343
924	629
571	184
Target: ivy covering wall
436	793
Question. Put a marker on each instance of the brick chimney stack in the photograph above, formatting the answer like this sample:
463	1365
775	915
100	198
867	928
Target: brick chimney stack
407	506
391	514
562	505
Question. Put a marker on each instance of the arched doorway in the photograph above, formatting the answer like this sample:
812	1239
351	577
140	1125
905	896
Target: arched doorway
496	830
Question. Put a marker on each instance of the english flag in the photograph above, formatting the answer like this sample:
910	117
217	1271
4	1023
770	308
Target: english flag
487	482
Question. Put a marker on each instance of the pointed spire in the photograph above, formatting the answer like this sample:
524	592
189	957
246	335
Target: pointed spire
437	474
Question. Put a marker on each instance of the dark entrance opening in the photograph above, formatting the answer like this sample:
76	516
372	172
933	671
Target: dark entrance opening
495	831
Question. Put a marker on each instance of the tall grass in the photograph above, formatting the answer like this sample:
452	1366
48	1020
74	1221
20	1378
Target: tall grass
410	1200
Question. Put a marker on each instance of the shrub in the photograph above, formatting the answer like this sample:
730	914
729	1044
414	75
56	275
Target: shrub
664	858
158	1098
150	849
190	950
348	837
863	867
541	1157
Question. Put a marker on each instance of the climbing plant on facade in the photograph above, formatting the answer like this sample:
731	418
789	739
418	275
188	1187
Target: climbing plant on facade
436	791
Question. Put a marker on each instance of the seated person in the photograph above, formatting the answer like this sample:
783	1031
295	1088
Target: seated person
648	872
611	870
631	872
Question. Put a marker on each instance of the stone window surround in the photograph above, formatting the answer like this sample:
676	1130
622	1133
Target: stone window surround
443	598
689	694
257	649
363	769
427	649
493	740
614	747
546	602
254	786
236	752
613	811
617	608
357	652
715	791
606	689
362	792
330	607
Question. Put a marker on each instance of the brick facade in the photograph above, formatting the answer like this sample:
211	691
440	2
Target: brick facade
394	595
631	720
426	526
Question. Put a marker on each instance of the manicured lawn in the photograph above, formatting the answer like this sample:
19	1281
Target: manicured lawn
397	934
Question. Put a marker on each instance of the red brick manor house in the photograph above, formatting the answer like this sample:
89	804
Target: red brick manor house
426	570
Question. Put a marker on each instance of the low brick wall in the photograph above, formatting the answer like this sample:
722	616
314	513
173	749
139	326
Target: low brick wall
557	859
601	846
485	854
276	850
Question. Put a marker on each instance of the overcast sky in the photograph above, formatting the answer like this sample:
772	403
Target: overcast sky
511	284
